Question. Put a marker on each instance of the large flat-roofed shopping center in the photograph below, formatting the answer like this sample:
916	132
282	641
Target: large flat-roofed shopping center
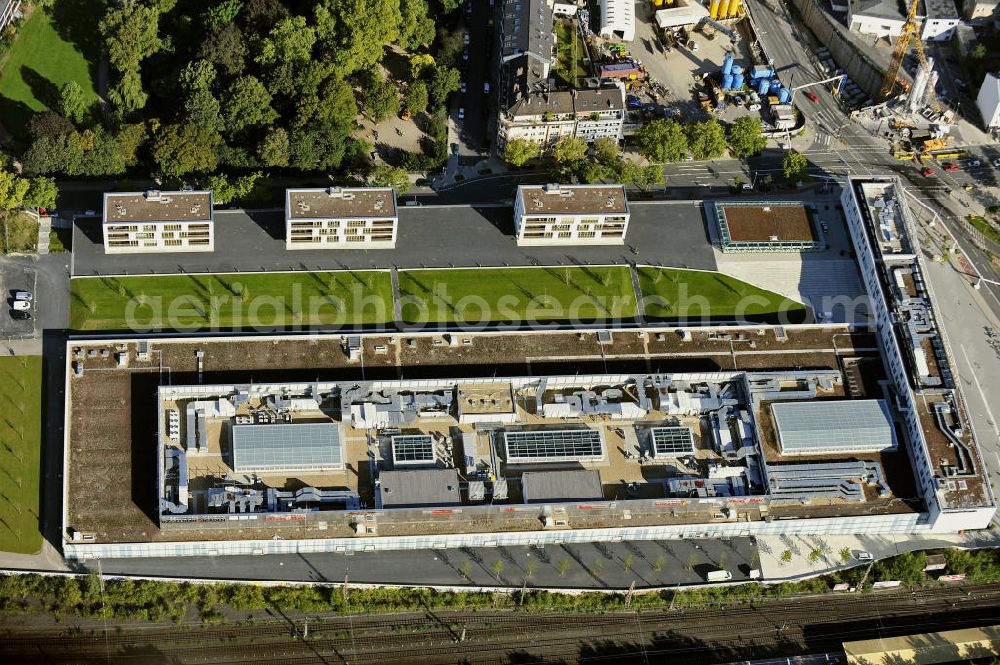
399	440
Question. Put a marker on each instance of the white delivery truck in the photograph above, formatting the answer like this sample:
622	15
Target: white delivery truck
719	576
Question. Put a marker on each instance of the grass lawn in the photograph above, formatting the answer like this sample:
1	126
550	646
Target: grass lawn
516	294
985	228
46	56
672	294
20	453
571	63
261	301
18	232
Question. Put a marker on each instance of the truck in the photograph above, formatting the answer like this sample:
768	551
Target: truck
719	576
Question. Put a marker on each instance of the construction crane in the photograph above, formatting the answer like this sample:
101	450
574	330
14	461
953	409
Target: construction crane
911	31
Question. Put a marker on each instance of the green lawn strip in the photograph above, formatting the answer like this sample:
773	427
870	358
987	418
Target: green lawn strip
568	66
498	295
41	62
984	227
20	453
18	232
60	240
672	294
267	300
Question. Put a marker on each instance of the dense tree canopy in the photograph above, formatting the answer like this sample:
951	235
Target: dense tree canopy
251	84
796	167
745	138
662	141
706	139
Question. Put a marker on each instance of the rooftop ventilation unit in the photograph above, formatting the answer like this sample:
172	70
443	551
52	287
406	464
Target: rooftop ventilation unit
153	195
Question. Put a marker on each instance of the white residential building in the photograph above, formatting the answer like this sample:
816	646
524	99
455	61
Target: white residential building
618	19
341	218
881	18
942	19
988	101
155	221
546	117
571	215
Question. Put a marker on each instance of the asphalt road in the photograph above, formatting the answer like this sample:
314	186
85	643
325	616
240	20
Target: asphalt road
589	565
664	233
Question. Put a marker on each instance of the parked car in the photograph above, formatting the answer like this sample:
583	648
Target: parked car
486	88
975	163
465	39
813	97
754	107
861	555
462	87
23	305
23	295
633	102
20	315
465	55
928	172
996	162
948	166
461	113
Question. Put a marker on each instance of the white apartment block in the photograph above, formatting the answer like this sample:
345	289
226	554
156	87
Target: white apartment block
942	19
155	221
546	117
571	215
341	218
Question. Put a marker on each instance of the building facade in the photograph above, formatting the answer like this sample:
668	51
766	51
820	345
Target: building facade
341	218
881	18
942	19
546	117
156	221
988	101
571	215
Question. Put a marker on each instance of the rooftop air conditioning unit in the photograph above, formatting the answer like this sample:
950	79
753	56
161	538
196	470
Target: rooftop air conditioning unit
153	195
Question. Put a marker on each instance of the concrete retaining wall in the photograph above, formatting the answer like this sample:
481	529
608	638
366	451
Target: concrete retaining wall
848	54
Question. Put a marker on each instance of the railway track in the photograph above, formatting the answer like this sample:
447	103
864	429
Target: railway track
487	636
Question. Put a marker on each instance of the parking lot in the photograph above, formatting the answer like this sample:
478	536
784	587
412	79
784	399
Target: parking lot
17	277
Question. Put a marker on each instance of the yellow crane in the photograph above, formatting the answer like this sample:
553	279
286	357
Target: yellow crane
911	32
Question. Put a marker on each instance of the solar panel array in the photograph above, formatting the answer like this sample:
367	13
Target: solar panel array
554	445
412	449
672	440
287	446
837	426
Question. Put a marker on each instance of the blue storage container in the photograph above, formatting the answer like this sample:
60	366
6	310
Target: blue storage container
737	81
775	86
727	81
763	86
727	64
737	69
784	95
762	72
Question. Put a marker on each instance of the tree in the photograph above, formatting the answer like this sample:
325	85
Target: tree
497	568
662	140
627	562
42	193
72	103
274	148
361	29
706	139
564	566
415	99
978	52
391	176
569	150
416	28
225	48
202	108
290	41
745	138
222	13
197	75
248	104
185	148
607	151
815	554
420	64
786	556
130	34
226	191
13	189
649	175
517	152
379	98
127	95
444	81
845	554
337	103
766	181
796	168
318	147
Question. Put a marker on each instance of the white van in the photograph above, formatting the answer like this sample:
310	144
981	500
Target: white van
719	576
